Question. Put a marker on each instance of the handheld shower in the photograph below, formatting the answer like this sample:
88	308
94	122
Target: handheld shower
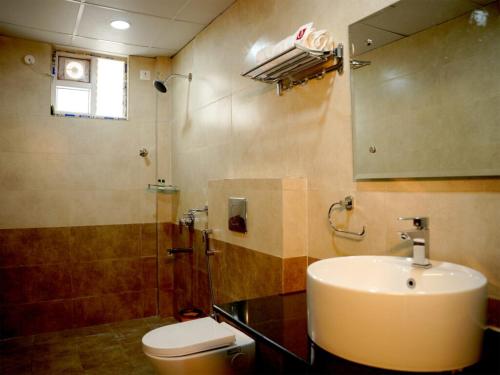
161	86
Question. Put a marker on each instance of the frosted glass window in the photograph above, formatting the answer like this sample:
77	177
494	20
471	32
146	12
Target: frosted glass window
73	100
110	88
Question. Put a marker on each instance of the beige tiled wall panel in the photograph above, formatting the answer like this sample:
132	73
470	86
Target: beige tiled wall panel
307	133
276	214
294	217
264	213
57	171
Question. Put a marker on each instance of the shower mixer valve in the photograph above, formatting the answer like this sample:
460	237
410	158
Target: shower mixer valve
187	220
189	217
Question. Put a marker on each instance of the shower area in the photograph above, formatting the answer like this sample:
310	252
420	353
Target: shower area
84	221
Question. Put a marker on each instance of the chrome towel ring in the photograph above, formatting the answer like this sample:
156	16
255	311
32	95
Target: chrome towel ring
348	205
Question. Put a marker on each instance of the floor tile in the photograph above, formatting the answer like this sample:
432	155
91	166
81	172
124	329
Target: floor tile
99	341
62	364
103	349
103	356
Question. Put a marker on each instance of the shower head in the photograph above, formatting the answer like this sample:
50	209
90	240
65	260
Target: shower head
162	87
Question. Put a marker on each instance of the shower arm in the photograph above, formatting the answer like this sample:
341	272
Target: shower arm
188	76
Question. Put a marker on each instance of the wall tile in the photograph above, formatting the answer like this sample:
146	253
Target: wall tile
50	282
89	311
150	302
148	240
124	306
307	132
33	246
35	283
100	275
294	274
294	223
166	273
493	312
245	274
43	317
149	272
165	235
59	171
14	289
87	279
105	242
168	305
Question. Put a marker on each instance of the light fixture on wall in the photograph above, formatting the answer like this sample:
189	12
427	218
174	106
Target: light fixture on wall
120	24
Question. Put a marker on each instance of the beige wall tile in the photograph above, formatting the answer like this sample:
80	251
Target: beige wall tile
264	213
35	79
294	222
276	210
307	133
58	171
142	96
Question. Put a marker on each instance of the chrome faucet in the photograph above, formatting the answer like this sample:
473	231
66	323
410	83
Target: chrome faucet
420	240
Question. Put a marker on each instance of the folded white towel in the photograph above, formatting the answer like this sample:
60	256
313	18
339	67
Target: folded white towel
319	40
300	35
306	35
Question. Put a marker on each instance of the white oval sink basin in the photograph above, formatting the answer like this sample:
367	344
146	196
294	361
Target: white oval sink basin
381	311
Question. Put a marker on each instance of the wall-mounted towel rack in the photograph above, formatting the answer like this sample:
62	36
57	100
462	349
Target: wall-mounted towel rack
297	65
347	204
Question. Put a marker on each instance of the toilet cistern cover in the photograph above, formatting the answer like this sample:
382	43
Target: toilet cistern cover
187	338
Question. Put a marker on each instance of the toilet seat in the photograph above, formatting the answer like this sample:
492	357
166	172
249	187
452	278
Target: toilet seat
187	338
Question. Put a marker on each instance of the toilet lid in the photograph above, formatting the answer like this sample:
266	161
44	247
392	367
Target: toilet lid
187	338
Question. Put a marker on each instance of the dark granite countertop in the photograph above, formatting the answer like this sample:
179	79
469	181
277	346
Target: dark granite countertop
281	322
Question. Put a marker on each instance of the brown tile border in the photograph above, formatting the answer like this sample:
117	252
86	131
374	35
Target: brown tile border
493	312
294	274
52	286
60	278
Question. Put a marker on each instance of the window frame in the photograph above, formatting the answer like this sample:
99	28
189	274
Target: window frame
92	85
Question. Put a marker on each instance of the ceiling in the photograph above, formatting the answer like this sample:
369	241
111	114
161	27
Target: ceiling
405	18
158	27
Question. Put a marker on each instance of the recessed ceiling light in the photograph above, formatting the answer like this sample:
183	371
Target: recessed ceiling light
120	25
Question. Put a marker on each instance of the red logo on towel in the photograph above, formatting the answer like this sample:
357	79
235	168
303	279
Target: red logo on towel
300	34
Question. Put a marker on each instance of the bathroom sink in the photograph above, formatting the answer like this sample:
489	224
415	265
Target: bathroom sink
381	311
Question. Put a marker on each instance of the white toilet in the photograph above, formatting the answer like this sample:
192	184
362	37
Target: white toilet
201	346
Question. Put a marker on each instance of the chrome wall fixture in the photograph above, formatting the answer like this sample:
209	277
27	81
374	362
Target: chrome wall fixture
162	87
356	64
347	204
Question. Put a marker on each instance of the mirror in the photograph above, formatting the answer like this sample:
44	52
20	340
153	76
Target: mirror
425	86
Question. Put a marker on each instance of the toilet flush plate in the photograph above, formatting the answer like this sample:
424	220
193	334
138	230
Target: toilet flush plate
237	214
